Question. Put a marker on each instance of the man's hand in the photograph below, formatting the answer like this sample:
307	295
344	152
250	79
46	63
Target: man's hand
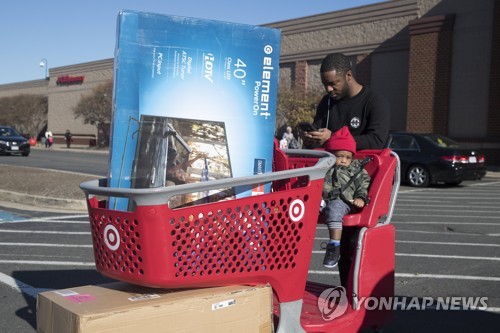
318	137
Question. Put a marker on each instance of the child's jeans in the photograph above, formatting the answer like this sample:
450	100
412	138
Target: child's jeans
333	213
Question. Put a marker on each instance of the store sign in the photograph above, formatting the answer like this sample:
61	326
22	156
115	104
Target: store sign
68	80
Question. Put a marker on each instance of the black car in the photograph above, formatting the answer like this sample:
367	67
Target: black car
433	158
11	142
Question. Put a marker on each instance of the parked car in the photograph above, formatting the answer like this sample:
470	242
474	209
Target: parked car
432	158
11	142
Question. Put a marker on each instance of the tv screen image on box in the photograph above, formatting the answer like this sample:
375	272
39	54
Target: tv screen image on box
174	151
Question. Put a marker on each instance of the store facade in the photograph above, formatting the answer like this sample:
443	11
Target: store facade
437	61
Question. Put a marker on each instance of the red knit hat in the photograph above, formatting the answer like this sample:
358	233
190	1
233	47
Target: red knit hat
341	140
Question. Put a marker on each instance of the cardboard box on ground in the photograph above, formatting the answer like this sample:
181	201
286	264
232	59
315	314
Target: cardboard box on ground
125	308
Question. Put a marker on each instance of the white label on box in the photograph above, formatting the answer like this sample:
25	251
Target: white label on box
143	297
66	292
223	304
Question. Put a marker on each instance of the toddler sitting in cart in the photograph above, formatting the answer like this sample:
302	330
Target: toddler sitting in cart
345	188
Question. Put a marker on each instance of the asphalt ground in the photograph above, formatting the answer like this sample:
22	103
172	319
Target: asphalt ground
447	245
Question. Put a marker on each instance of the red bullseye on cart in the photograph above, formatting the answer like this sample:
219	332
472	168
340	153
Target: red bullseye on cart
111	237
297	210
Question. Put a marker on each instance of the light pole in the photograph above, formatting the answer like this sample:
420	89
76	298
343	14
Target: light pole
43	63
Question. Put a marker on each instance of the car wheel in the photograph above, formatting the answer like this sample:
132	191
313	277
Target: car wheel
418	176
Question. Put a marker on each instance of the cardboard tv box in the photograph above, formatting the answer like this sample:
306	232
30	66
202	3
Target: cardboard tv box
191	95
124	308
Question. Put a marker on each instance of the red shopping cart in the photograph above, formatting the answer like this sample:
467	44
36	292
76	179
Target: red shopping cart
266	238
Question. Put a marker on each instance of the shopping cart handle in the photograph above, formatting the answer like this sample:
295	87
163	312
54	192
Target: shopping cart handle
161	195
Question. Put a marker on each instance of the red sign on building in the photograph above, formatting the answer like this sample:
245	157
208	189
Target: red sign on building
67	80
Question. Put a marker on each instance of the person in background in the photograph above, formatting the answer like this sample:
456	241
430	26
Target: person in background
345	188
68	137
43	141
288	135
364	111
283	144
49	139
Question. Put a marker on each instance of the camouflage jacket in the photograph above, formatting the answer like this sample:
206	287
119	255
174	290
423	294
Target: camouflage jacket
338	176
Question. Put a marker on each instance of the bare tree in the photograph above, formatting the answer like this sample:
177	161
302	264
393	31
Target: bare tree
26	112
95	108
293	108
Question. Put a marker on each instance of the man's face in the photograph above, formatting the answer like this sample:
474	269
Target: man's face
336	84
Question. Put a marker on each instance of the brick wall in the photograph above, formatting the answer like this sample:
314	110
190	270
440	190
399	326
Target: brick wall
363	69
300	83
429	74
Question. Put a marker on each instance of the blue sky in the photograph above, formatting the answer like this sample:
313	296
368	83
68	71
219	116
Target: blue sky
71	32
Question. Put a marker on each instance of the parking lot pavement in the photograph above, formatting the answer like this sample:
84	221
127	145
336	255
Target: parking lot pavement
447	245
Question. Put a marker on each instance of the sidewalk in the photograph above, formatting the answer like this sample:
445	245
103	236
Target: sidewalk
74	148
41	188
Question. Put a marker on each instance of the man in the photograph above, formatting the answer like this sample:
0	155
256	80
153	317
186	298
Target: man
347	103
364	111
68	137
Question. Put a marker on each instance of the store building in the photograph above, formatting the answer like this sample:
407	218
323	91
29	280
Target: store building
437	61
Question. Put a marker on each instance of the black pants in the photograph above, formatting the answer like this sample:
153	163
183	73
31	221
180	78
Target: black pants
347	251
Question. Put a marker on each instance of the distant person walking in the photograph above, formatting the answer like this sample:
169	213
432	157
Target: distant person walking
68	137
291	142
43	141
49	139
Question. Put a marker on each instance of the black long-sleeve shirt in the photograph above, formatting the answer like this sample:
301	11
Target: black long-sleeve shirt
367	115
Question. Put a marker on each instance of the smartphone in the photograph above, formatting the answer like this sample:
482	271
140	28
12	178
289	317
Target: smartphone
307	127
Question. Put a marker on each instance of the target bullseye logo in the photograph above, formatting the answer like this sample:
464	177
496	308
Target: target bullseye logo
111	237
297	210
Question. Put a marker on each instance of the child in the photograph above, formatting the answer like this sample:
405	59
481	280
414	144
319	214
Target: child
339	196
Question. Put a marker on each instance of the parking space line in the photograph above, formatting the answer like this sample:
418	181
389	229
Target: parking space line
446	223
453	216
421	255
52	219
45	232
451	277
46	245
444	210
431	232
20	286
432	243
413	204
441	256
41	220
448	243
61	217
424	276
47	262
447	233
